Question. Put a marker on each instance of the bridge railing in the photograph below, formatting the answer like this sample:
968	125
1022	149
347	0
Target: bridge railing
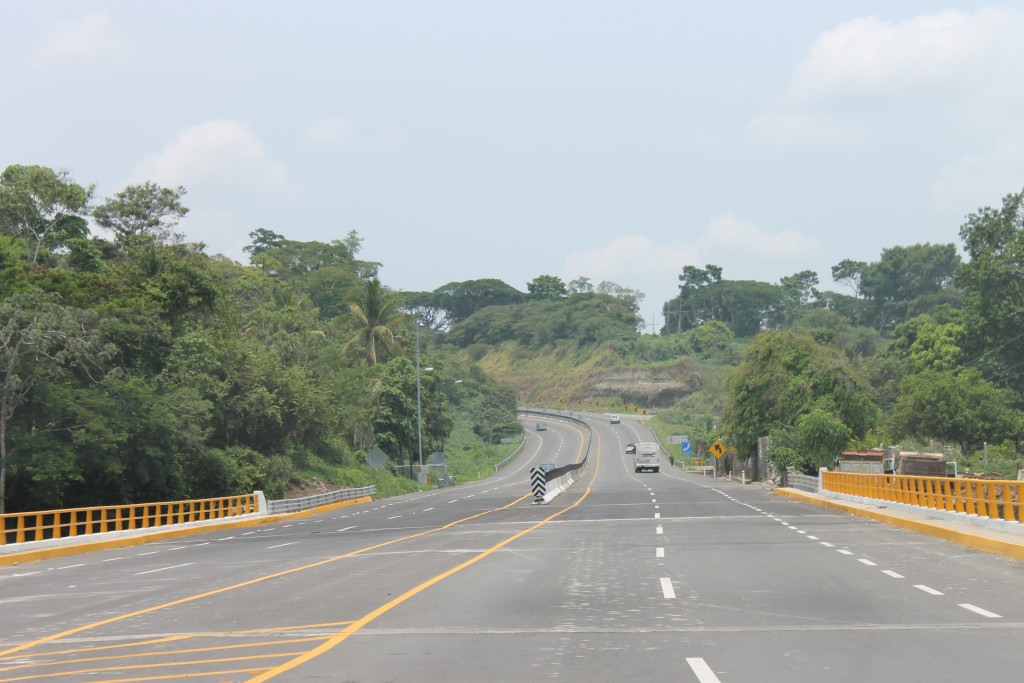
991	498
24	527
276	507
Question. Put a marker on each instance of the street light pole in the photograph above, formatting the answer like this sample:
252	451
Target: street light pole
419	413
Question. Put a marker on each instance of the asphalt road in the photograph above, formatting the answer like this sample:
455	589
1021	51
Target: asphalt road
655	577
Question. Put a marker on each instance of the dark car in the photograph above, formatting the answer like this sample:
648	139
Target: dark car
542	426
630	449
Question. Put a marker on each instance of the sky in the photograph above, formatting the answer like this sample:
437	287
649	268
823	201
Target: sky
618	141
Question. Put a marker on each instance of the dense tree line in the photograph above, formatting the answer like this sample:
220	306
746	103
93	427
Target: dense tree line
138	368
929	348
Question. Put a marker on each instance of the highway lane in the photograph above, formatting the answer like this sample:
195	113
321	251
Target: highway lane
666	576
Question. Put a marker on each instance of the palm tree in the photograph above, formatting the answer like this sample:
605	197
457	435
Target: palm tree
377	313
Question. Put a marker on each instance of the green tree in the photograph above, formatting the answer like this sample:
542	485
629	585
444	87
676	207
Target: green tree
958	407
377	314
993	287
42	206
547	288
144	209
784	375
40	338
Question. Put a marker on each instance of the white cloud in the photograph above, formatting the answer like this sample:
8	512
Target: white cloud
341	133
331	132
93	37
728	234
869	57
628	257
219	154
978	180
860	75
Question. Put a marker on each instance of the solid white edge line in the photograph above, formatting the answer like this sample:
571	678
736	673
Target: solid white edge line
702	670
666	588
163	569
976	610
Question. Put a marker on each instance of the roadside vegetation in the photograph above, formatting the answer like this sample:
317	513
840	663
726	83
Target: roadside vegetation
136	367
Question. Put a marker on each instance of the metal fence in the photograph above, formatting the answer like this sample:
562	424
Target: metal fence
25	527
275	507
992	498
796	480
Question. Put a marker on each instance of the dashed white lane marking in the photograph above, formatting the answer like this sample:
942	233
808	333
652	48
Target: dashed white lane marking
892	574
928	590
827	544
428	509
867	562
657	515
813	538
659	552
163	569
280	545
151	552
666	588
346	529
70	566
975	609
453	501
390	518
845	552
658	529
701	669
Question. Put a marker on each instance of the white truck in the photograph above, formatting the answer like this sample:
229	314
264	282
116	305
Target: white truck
646	457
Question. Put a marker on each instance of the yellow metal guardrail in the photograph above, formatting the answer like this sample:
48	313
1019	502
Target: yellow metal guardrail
22	527
992	498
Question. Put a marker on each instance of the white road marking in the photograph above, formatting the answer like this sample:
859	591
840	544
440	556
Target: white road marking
867	562
657	529
702	670
453	501
659	552
428	510
813	538
926	589
799	532
666	588
72	566
892	574
976	610
346	528
151	552
845	552
390	518
657	515
827	544
280	545
163	569
113	559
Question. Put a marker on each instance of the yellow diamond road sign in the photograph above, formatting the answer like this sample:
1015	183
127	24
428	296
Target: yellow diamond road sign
717	449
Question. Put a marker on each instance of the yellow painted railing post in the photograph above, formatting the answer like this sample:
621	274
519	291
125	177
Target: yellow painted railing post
19	537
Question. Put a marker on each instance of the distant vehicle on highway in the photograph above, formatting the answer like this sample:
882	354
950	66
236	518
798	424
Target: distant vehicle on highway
542	426
630	449
646	457
615	419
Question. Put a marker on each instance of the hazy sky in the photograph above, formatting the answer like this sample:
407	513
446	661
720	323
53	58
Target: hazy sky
615	140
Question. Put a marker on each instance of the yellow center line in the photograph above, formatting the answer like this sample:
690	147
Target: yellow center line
251	582
357	625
